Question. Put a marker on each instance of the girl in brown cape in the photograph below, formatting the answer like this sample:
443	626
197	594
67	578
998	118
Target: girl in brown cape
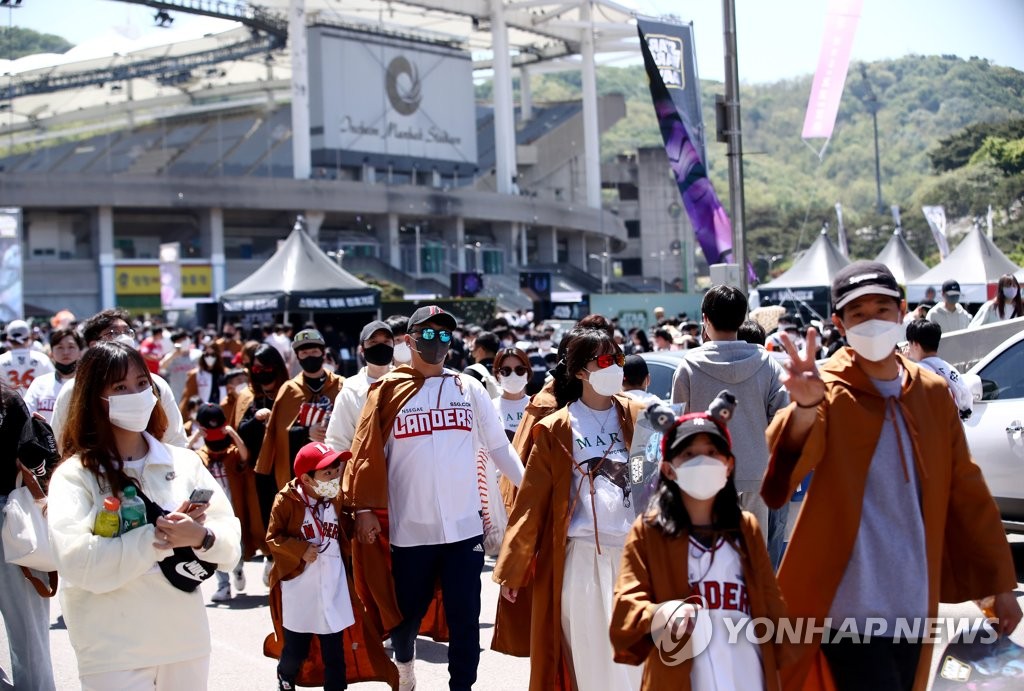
693	561
570	520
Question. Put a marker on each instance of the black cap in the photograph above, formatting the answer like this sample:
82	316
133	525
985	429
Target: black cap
950	287
210	416
863	278
693	424
432	313
372	328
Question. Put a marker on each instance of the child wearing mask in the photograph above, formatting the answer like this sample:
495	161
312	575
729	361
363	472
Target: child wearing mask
693	561
311	587
225	456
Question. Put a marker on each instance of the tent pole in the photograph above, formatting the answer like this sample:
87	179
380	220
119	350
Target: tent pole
286	317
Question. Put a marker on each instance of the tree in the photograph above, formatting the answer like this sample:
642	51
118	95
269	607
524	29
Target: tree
16	42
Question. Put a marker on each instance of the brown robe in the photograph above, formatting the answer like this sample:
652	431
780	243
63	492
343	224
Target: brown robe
365	658
534	547
654	571
275	457
244	502
968	556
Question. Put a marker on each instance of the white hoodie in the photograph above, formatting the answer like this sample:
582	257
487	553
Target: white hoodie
121	612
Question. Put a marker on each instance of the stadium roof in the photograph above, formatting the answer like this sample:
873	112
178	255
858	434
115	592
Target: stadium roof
238	69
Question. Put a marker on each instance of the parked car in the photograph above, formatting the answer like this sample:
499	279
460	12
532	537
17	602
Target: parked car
662	366
994	431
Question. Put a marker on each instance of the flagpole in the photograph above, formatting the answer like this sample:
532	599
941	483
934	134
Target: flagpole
734	142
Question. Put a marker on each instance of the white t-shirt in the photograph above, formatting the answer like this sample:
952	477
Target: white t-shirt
42	394
594	432
317	600
176	372
716	574
19	367
433	497
511	412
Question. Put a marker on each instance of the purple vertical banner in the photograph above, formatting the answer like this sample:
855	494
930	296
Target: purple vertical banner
668	60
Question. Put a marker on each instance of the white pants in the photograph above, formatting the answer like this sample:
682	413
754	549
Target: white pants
588	584
190	674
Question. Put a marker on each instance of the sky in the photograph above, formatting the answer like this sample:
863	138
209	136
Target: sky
777	39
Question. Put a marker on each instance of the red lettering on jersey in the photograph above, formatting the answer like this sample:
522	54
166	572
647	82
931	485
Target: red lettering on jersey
713	594
307	531
437	420
729	595
744	605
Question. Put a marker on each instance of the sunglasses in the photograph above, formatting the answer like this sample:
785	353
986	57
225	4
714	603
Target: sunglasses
431	334
259	369
518	369
609	360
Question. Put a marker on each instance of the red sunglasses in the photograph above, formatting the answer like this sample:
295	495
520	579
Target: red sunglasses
609	360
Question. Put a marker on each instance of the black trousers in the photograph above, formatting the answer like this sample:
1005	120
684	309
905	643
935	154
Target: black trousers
458	566
266	491
882	664
296	647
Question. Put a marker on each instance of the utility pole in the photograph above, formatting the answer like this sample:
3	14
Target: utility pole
734	141
872	102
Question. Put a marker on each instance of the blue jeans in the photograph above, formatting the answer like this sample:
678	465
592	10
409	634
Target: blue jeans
776	534
27	619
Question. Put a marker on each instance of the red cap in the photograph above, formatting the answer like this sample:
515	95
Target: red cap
317	456
111	504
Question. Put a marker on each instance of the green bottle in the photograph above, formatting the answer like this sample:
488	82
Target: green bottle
108	522
133	510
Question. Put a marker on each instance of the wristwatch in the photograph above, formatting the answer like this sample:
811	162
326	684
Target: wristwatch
208	541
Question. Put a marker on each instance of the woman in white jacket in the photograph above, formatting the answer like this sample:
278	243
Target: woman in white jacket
130	627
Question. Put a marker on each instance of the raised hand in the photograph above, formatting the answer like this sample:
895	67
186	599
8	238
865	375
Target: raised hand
802	380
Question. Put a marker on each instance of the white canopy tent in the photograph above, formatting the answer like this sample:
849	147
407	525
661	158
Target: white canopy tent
976	264
901	260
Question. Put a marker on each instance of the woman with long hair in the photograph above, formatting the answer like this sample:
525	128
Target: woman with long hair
207	379
512	370
573	513
1005	305
150	571
693	562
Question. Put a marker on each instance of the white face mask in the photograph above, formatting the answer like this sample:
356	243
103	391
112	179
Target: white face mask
127	340
513	383
1009	293
239	388
210	360
131	411
702	477
607	381
402	353
328	489
875	339
330	368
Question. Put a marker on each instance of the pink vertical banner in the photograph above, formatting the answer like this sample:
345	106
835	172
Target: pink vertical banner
833	62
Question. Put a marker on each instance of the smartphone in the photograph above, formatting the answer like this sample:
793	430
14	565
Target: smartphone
200	496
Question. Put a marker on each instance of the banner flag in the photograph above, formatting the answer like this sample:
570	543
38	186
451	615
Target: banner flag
12	305
669	61
936	217
895	208
833	62
844	245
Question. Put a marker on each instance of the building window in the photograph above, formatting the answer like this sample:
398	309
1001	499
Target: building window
632	267
632	229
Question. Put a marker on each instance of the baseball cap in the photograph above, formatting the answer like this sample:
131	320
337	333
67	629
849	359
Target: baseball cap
690	426
432	313
949	287
372	328
18	331
308	337
862	278
317	456
210	416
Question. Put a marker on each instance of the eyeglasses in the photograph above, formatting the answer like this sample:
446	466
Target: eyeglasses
111	334
431	334
518	369
609	360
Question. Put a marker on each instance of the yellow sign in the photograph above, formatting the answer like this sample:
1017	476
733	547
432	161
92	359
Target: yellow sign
135	279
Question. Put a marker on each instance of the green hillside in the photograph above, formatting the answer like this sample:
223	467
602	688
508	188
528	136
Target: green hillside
790	193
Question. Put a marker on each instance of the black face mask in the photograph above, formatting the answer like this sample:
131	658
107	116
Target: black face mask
65	369
433	352
311	364
379	354
263	378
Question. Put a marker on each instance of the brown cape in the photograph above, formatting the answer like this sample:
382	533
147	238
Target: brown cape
654	571
275	458
968	556
244	502
365	658
365	486
534	547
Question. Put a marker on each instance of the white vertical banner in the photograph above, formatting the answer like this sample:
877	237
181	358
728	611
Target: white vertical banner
11	279
170	274
936	217
896	215
988	220
844	246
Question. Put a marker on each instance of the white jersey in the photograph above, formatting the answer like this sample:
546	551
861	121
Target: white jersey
19	367
511	412
957	388
348	406
433	497
716	575
42	395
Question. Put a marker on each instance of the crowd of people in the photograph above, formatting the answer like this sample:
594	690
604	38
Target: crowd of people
373	478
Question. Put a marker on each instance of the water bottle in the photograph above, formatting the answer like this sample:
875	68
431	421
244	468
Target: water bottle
133	510
108	522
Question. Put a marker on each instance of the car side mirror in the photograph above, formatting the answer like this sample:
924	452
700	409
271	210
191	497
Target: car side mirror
989	390
974	385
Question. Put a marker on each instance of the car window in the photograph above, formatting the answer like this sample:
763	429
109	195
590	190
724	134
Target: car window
1003	378
661	379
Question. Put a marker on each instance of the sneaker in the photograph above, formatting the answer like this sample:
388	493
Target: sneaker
268	564
284	685
223	594
406	675
238	576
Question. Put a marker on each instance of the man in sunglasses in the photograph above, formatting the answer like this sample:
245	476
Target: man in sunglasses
414	459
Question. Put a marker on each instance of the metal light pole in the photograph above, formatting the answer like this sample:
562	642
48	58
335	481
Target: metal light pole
872	100
603	258
661	268
734	141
